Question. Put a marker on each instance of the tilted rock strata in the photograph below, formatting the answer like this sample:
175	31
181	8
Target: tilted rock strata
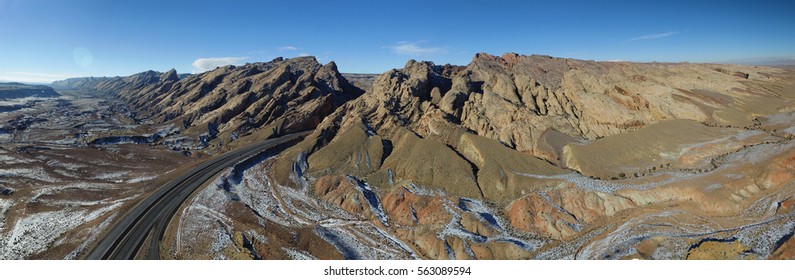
285	95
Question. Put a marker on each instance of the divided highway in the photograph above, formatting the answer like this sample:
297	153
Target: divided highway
143	227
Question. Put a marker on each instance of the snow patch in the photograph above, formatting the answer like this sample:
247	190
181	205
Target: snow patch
372	199
298	255
79	186
112	176
413	188
35	232
713	187
141	179
68	166
6	159
484	214
37	173
790	130
222	241
5	204
455	228
92	236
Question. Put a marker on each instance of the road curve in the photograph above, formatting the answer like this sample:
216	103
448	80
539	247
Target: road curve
151	216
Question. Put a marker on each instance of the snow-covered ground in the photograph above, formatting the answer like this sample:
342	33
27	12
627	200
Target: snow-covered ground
58	194
5	158
487	217
286	207
298	255
111	176
35	232
141	179
36	173
675	227
93	234
67	166
4	205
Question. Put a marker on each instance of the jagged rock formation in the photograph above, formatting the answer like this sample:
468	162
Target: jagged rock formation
527	103
170	76
523	132
522	97
282	96
507	157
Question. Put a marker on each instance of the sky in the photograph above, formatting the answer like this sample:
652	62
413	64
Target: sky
42	41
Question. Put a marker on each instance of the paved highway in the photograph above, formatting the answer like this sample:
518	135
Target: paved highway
143	227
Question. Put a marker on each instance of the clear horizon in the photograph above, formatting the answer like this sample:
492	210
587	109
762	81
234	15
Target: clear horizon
54	40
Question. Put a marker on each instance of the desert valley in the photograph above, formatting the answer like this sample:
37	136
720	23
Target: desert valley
507	157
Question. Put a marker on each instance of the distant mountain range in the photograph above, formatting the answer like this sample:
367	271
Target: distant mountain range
19	90
785	62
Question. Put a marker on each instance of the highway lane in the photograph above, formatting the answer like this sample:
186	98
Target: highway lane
152	215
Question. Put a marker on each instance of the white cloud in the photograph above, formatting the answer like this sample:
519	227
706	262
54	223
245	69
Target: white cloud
414	48
287	48
655	36
210	63
28	77
304	54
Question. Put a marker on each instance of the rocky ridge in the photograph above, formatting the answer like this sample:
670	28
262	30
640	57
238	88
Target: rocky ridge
511	156
499	129
279	97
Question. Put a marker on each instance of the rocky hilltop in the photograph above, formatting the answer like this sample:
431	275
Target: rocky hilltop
534	106
564	149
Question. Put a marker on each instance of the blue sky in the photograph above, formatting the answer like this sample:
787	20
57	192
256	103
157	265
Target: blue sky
41	41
